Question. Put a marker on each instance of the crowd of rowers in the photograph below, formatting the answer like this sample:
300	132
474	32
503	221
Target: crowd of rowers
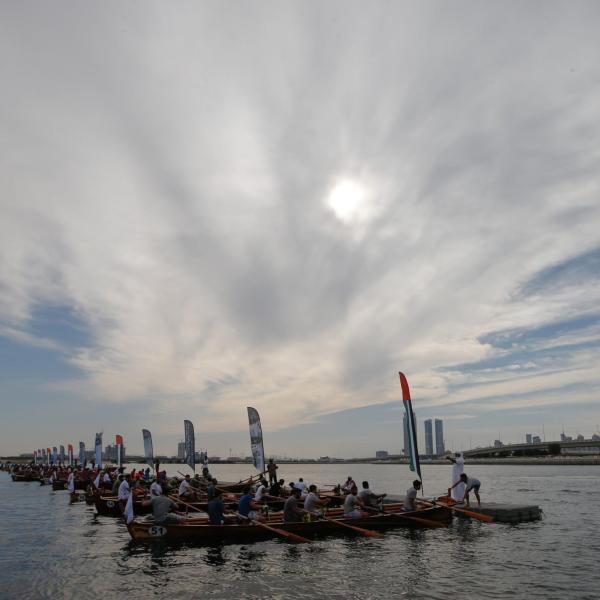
301	502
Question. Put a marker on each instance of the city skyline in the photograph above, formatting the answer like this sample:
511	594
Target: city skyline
285	211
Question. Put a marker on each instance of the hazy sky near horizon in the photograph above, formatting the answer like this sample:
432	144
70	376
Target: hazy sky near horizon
207	206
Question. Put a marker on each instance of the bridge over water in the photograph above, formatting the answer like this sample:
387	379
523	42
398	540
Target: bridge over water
585	447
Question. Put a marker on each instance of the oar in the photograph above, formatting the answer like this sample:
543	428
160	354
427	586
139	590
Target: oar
287	534
407	516
179	501
365	532
468	513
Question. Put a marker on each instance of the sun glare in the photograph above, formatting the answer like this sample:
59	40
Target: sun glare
348	201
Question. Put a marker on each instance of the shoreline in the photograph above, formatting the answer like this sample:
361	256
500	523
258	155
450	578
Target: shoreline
542	461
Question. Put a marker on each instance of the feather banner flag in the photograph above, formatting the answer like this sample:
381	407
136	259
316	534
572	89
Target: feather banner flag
413	450
81	454
148	449
190	445
256	439
70	454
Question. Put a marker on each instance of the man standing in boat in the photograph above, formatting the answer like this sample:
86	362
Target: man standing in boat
272	470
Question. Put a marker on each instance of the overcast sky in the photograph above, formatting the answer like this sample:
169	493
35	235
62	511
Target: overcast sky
207	206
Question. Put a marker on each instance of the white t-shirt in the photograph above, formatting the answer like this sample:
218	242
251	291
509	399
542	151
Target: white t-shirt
310	504
300	485
184	488
155	487
106	478
350	503
123	490
259	493
472	482
409	499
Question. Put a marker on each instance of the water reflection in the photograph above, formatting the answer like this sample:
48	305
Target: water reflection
214	556
250	559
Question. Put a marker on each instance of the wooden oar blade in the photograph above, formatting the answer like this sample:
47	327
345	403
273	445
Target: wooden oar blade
295	537
365	532
474	515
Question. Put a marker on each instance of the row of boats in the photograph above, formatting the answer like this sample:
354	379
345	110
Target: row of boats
196	527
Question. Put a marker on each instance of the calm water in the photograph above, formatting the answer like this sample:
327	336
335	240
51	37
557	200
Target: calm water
49	549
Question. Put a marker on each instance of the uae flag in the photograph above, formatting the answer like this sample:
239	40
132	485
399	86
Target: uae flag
413	450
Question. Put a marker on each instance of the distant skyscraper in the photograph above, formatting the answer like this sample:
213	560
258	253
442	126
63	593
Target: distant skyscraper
439	437
181	451
428	438
528	437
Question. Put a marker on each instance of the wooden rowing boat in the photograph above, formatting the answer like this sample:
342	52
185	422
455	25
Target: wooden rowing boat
200	530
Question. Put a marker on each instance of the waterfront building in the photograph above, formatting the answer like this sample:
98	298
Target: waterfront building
528	437
381	454
536	439
498	444
439	437
428	438
181	451
110	453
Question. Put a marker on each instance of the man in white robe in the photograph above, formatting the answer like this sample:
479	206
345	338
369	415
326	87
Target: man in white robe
458	467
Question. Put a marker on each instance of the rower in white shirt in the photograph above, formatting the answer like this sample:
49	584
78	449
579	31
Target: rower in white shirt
185	489
124	492
155	489
261	490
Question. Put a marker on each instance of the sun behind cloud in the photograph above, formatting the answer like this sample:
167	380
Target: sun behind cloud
350	201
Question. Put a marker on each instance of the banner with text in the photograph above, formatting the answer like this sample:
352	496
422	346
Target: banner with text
256	439
190	445
148	450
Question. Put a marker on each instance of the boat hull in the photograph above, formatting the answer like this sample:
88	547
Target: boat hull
203	532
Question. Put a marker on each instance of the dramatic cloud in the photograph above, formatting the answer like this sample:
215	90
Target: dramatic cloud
282	204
